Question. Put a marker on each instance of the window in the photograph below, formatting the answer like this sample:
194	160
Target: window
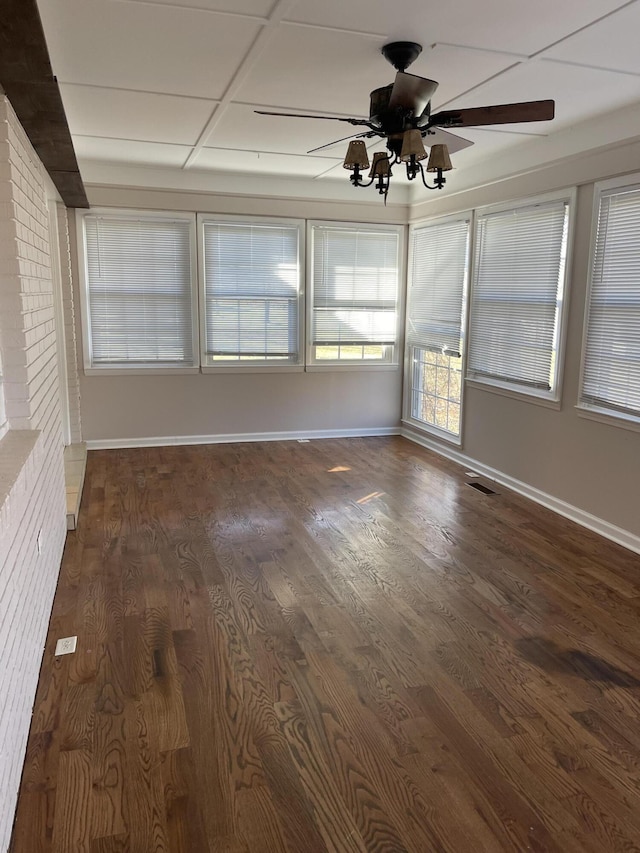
517	297
611	351
140	303
251	283
438	273
355	273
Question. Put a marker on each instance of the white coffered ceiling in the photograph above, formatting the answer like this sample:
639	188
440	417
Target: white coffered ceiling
173	84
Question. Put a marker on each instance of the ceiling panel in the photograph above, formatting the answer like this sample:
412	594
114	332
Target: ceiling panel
269	164
458	69
578	92
317	70
518	26
486	144
260	8
241	128
93	111
122	151
141	46
613	43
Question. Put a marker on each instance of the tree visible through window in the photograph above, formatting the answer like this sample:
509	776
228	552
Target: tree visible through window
438	273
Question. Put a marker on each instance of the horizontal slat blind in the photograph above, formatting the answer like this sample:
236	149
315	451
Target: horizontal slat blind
611	370
252	279
520	257
355	286
436	286
139	285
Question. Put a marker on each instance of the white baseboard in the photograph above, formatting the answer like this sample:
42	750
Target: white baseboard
585	519
235	438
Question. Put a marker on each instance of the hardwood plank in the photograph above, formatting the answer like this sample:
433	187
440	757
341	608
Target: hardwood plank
72	819
334	647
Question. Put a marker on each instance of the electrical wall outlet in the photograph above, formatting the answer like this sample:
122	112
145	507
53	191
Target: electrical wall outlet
66	646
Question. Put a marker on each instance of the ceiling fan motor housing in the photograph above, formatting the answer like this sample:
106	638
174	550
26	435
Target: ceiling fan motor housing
379	102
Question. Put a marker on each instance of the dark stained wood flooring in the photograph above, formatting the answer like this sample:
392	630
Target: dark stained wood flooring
332	646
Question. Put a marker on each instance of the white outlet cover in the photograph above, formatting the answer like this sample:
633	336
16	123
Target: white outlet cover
66	646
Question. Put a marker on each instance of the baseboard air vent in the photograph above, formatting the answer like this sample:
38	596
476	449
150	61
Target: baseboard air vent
480	488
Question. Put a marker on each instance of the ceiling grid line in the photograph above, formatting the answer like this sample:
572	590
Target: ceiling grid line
184	7
585	27
255	51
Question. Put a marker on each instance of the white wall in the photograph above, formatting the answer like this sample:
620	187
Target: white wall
131	408
592	466
32	491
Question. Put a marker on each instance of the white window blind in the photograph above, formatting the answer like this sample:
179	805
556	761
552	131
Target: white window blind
436	286
611	366
519	267
355	286
139	290
251	285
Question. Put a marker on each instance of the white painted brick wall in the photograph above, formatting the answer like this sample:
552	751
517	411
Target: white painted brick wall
32	491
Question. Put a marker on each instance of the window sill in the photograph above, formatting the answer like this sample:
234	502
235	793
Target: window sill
523	396
338	367
441	434
139	371
604	417
253	368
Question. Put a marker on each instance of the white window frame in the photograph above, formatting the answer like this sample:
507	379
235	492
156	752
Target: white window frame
257	366
585	410
4	421
392	361
135	368
407	417
552	398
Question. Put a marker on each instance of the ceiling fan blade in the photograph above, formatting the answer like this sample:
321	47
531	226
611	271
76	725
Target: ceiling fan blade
411	92
356	121
497	114
451	140
369	133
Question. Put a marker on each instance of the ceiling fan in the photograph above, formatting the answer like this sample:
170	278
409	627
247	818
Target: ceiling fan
401	114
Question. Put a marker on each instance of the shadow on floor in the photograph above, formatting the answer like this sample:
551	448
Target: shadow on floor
553	658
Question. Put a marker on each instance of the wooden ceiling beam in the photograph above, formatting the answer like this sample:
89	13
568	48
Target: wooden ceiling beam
27	79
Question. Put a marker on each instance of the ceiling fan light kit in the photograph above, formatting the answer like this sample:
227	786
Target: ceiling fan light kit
400	113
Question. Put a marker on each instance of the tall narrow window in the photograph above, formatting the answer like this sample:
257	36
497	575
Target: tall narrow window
611	354
355	273
438	272
517	296
140	271
251	278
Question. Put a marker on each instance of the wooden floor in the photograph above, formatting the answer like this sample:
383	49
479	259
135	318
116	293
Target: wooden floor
332	646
